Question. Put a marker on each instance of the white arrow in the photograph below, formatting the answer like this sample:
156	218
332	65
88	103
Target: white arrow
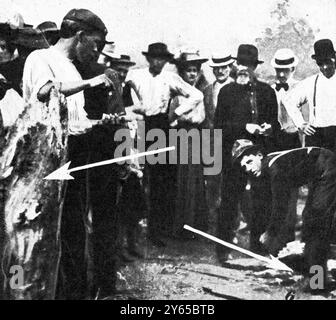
63	173
272	262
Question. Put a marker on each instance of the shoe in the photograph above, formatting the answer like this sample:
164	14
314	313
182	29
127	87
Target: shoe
156	241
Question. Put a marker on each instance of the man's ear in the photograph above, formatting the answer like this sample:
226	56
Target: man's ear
259	154
80	35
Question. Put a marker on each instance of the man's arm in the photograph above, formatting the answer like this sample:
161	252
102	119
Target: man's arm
272	105
294	101
280	196
39	79
69	88
179	87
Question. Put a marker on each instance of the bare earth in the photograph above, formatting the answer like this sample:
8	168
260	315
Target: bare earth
188	270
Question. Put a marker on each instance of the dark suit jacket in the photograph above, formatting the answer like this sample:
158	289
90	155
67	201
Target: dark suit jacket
234	111
98	100
292	169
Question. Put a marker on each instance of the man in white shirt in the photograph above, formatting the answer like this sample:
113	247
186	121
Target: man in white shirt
154	88
82	37
284	62
320	94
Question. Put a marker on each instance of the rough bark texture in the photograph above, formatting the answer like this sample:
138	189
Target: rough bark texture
30	150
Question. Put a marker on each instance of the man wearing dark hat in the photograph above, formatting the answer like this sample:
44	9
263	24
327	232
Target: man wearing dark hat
289	169
82	36
319	92
246	109
131	202
49	31
154	88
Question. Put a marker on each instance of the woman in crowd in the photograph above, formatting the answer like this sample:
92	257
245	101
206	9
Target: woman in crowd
191	207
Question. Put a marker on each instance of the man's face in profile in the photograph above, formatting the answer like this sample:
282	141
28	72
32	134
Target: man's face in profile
252	164
89	47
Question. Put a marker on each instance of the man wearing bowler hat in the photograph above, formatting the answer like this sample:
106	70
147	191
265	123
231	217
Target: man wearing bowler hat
246	109
154	87
320	94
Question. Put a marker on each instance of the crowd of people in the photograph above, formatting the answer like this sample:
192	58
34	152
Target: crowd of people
270	147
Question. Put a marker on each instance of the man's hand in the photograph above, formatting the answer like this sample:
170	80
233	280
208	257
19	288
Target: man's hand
308	129
253	128
266	129
272	243
102	79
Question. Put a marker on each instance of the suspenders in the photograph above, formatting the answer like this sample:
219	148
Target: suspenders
314	98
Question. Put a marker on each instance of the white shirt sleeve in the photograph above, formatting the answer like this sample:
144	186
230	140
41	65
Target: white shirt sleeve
36	74
180	87
294	101
11	106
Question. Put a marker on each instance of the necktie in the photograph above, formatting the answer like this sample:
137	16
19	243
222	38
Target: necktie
278	86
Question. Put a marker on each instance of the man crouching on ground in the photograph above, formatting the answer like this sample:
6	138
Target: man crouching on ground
294	168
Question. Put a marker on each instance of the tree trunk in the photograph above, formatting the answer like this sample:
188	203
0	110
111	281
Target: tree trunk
31	210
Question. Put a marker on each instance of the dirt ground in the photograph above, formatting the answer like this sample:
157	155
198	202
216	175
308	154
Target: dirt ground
188	270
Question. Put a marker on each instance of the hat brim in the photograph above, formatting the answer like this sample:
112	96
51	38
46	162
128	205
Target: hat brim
169	56
196	61
221	64
247	150
257	62
315	57
123	62
284	66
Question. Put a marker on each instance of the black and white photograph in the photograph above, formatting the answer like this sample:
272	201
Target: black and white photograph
168	150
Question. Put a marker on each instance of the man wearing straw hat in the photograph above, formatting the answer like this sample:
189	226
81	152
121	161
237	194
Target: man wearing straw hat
284	63
221	67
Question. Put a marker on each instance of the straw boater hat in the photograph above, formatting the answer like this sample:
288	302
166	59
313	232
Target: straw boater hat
186	58
116	58
221	60
284	58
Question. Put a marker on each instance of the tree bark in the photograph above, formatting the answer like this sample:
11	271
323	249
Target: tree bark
31	210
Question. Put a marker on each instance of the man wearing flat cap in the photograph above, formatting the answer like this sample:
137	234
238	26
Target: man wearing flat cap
82	36
154	87
282	171
246	109
319	92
